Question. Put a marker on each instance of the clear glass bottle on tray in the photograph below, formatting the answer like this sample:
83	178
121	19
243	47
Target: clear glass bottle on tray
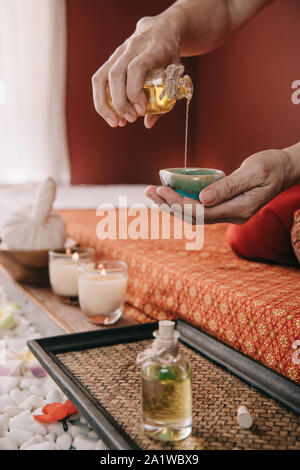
166	387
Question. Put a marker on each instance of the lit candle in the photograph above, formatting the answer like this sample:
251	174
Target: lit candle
63	269
102	291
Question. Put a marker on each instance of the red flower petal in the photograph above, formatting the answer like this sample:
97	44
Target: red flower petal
71	410
52	413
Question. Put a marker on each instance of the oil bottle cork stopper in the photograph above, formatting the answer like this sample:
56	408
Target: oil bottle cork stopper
166	329
244	418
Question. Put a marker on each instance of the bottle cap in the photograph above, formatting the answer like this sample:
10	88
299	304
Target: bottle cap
166	330
244	418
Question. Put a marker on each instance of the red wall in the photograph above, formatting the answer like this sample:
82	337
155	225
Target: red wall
98	153
242	102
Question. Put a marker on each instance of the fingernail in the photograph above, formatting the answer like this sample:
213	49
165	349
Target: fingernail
139	109
209	196
149	122
111	122
130	117
122	122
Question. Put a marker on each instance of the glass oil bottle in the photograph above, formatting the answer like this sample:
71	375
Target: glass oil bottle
163	87
166	387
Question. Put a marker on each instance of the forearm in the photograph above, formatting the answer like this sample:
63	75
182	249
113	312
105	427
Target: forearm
203	25
294	163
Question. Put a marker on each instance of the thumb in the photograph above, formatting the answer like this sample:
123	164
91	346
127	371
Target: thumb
227	188
151	119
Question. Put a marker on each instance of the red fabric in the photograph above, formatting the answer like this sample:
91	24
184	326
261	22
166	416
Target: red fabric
267	235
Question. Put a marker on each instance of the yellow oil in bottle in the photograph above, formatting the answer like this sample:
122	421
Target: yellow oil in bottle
162	96
156	104
167	401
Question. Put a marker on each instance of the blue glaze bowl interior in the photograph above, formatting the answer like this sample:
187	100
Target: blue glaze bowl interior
191	181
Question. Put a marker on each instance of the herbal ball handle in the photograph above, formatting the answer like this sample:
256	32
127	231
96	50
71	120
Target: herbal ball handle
45	196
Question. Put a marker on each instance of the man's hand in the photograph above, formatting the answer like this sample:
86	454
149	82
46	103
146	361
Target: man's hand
237	197
154	44
186	28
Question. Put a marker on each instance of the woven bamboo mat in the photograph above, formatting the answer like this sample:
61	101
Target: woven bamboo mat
111	376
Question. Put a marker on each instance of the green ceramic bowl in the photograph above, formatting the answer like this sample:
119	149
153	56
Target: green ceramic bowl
189	182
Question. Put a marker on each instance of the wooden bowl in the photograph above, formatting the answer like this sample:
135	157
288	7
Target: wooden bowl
28	266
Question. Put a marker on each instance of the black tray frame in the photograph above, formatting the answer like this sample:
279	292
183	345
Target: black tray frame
250	371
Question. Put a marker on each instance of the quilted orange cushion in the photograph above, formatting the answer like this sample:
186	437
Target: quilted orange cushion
253	307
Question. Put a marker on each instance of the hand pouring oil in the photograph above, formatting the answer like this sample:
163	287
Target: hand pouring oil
166	387
162	88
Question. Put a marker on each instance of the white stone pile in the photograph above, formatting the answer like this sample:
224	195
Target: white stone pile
22	395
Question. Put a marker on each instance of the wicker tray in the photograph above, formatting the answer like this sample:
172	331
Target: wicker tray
97	371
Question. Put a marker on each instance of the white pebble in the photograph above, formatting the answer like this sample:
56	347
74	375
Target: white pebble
8	383
28	382
64	442
38	411
11	368
54	396
12	410
19	436
7	444
50	437
19	396
4	419
43	446
37	391
47	383
25	421
101	446
17	344
30	442
84	443
56	428
24	322
77	429
33	402
244	418
5	401
37	401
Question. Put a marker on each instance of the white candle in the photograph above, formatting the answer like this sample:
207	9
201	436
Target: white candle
64	277
102	294
63	270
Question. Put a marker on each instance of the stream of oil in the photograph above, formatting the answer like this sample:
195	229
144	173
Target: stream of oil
187	108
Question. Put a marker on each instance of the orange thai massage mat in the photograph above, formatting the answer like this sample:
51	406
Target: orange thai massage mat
253	307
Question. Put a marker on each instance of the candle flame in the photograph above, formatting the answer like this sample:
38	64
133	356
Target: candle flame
75	257
102	269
